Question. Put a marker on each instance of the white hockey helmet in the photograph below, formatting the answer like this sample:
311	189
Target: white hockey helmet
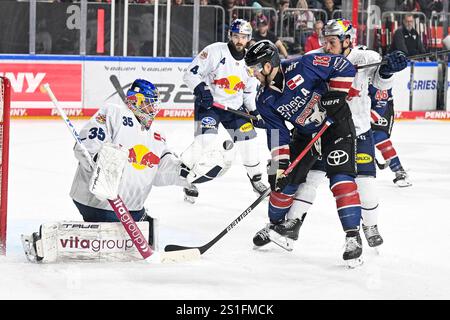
241	26
341	28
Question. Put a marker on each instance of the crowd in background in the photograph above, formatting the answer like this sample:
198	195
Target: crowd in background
295	25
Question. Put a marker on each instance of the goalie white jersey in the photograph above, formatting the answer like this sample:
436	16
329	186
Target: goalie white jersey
359	100
230	81
149	160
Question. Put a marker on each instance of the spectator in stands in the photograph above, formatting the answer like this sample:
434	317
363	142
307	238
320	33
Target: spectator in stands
304	23
329	6
285	19
203	2
314	41
262	33
178	2
428	6
407	39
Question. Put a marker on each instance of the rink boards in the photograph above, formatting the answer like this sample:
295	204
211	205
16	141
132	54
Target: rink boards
82	84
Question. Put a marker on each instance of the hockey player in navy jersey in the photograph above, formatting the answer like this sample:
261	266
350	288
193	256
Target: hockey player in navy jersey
383	119
303	92
219	74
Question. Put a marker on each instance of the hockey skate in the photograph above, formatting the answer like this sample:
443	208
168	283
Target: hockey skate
30	246
285	233
353	249
262	238
373	237
402	179
257	185
190	193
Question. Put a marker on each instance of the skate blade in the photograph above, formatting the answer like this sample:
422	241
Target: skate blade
403	184
189	199
354	263
283	242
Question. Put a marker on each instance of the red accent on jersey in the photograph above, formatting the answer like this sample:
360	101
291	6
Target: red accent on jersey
280	200
280	151
336	84
353	93
375	116
159	137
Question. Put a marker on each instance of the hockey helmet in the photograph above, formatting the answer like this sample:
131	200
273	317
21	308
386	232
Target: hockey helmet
143	99
341	28
261	52
241	26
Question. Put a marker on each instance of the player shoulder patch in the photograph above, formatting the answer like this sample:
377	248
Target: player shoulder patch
203	55
295	82
100	118
323	61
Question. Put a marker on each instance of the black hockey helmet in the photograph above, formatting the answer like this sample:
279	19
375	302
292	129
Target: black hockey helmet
261	52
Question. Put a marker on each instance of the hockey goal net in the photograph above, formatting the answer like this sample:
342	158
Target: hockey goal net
5	90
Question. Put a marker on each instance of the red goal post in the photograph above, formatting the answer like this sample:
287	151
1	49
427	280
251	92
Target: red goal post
5	91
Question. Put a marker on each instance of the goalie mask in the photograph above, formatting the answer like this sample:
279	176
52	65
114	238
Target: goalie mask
143	101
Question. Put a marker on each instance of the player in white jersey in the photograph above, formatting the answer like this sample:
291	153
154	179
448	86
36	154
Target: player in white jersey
338	34
133	157
219	74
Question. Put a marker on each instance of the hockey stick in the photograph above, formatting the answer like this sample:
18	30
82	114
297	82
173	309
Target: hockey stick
117	204
382	166
415	57
237	112
116	84
204	248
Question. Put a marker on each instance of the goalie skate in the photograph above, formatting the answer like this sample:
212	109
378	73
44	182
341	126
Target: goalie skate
30	244
190	194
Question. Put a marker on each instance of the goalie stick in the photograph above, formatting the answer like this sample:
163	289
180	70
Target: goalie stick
117	204
415	57
204	248
116	84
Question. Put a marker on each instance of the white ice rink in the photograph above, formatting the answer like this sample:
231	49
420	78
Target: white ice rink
415	222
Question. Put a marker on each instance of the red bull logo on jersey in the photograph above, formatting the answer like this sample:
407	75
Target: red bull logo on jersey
230	84
141	157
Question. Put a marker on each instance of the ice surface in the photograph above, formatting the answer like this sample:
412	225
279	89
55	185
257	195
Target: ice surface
414	262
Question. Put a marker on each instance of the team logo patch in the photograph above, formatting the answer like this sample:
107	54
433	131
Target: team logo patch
208	122
246	127
203	55
295	82
363	158
323	61
382	122
337	158
101	118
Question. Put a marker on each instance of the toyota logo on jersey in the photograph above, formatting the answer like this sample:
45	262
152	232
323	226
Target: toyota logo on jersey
337	158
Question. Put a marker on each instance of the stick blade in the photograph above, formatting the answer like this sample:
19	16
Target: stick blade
180	256
174	247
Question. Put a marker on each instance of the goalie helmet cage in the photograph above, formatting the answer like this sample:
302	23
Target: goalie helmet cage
5	90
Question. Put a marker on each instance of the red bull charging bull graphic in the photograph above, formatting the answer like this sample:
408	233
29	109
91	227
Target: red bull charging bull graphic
230	84
141	157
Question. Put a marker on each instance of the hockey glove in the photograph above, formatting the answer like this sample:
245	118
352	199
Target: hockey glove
395	62
278	181
334	102
203	96
259	123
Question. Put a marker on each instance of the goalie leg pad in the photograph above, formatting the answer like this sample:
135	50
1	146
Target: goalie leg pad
82	241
